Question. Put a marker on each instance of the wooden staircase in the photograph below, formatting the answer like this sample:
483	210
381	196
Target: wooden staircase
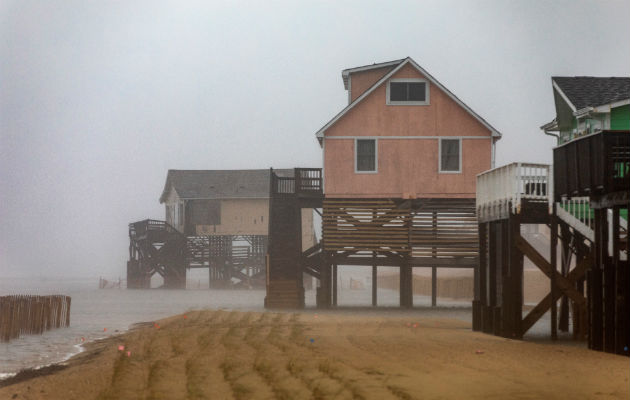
284	253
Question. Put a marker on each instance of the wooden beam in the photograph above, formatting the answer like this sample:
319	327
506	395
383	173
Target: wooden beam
374	280
562	283
543	306
553	271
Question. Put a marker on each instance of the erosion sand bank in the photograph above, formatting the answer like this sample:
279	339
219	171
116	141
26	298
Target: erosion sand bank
236	355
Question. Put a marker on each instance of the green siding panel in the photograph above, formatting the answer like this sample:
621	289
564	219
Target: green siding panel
620	117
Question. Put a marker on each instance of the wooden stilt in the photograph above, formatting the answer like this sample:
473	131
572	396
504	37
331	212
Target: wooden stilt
609	289
553	256
492	276
515	287
624	286
433	286
335	279
596	339
620	276
481	277
563	323
374	283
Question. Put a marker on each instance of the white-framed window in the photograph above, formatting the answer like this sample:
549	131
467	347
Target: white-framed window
408	92
366	156
450	156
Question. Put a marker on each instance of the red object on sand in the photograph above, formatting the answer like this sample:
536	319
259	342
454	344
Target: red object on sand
479	352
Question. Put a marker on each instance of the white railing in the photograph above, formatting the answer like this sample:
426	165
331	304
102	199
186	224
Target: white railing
576	212
501	190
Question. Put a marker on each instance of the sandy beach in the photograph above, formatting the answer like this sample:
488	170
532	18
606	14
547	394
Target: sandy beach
249	355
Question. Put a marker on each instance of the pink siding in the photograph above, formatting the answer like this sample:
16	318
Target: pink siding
362	81
407	168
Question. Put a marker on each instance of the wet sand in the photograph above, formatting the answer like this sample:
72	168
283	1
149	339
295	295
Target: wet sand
241	355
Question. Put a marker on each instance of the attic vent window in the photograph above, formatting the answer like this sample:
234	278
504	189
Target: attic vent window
408	92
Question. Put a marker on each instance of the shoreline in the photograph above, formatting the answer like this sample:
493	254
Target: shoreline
243	355
87	350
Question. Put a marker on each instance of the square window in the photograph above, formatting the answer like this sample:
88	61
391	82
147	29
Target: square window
450	155
365	152
398	91
416	91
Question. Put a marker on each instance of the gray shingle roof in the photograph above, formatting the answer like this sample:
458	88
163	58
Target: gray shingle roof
590	91
220	184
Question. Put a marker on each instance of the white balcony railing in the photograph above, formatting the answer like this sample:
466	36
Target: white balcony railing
501	190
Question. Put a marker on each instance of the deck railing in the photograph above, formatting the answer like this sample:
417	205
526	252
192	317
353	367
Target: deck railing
305	181
592	165
140	228
503	189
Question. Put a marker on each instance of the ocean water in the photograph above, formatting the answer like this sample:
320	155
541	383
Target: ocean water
98	313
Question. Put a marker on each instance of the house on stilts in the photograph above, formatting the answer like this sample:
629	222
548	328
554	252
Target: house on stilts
397	188
214	219
584	198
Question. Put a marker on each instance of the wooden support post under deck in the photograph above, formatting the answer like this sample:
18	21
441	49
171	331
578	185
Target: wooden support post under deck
609	290
624	286
516	278
596	339
479	280
563	323
335	278
492	279
580	321
504	282
433	268
553	262
621	314
406	295
433	286
374	279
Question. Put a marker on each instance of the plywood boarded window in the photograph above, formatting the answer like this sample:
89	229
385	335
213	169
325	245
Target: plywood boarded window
205	212
365	150
450	155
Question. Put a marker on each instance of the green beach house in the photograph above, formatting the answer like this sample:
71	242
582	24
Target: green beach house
587	104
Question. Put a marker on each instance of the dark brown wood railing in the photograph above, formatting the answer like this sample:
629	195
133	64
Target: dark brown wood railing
305	181
592	165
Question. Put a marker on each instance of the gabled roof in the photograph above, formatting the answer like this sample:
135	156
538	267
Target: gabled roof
220	184
400	65
588	91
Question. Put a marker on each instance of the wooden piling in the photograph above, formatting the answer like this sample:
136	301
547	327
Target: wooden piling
25	314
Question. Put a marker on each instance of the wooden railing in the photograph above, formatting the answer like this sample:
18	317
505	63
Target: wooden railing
305	181
140	228
308	180
25	314
502	189
591	165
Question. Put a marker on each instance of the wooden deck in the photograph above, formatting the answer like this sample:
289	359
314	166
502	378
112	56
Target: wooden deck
589	239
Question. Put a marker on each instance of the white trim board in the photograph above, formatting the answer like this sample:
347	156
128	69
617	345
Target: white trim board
564	96
407	137
408	60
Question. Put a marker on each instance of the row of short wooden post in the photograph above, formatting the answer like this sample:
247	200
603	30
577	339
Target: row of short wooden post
27	314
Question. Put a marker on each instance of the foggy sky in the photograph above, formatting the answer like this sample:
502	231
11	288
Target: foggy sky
99	99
